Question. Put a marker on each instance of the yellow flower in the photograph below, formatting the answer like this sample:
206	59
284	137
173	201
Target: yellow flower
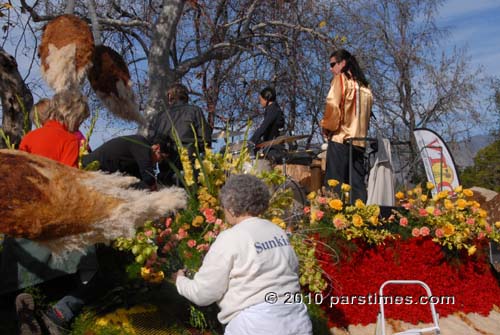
197	221
448	204
443	194
430	209
345	187
279	222
208	166
400	195
482	213
429	185
311	195
423	198
497	224
357	220
471	250
448	229
458	189
410	193
468	192
336	204
359	203
461	203
374	220
418	190
332	182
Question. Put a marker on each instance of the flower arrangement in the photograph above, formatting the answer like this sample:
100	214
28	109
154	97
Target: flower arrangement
453	219
182	240
332	214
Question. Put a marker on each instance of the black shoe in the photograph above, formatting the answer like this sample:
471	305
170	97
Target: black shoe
54	322
25	309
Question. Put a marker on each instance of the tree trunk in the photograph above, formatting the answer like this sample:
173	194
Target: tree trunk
12	91
161	74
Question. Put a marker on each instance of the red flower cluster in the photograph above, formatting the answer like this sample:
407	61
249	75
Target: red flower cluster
362	272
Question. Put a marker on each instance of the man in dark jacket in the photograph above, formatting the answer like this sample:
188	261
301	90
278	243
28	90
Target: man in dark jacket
271	126
133	155
183	121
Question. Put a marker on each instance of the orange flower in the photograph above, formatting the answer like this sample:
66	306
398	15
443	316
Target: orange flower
357	220
197	221
448	229
461	203
336	204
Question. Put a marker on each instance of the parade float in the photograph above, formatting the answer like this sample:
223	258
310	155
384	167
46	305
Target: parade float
347	249
346	252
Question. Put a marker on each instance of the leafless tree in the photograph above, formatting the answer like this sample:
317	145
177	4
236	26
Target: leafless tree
200	42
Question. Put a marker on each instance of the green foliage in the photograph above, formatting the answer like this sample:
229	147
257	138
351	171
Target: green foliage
6	139
486	169
197	318
38	297
318	320
84	324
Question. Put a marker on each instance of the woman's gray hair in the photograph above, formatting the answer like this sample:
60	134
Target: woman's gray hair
70	108
244	194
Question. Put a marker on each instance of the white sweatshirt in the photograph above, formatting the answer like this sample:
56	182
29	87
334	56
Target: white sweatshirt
244	263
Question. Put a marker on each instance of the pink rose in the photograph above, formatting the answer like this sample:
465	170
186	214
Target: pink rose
406	205
168	222
422	212
338	223
181	234
480	236
425	231
319	215
322	200
166	248
437	212
415	232
209	214
209	236
307	210
202	247
488	228
470	221
439	233
166	232
218	222
403	221
191	243
148	233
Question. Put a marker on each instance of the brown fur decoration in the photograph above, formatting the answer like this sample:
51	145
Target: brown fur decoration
66	52
490	201
110	79
67	209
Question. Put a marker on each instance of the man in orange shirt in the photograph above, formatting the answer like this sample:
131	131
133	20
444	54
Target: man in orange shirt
55	139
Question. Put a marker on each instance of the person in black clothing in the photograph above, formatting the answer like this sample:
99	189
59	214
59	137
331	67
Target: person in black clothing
133	155
181	120
271	126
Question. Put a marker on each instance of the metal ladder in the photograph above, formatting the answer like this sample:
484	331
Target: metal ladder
380	328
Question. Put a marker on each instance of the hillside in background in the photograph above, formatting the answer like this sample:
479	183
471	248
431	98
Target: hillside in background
465	151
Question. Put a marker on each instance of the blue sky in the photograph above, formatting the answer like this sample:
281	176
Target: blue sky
474	24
